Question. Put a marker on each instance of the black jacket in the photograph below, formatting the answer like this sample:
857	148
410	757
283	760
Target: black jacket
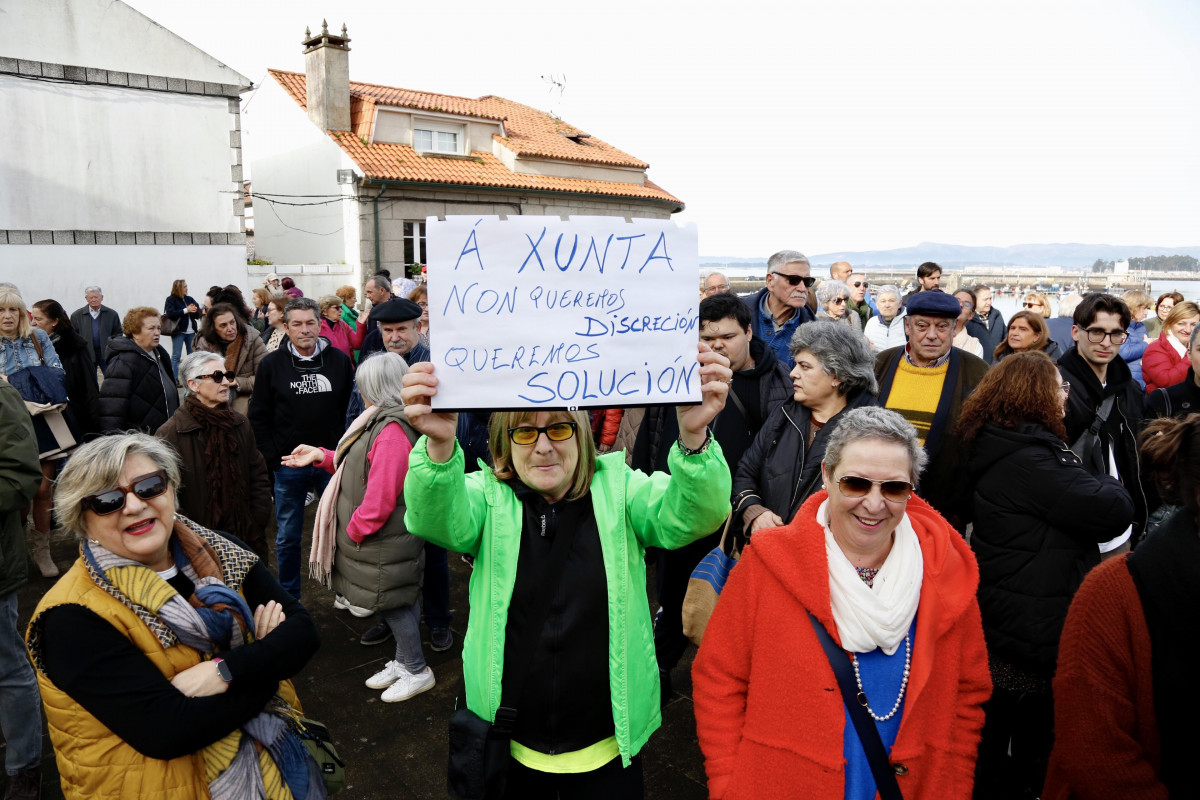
1039	517
780	471
760	390
300	402
1175	401
1123	425
990	335
138	390
82	389
176	308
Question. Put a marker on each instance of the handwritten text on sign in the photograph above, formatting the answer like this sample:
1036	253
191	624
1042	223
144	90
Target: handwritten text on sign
540	312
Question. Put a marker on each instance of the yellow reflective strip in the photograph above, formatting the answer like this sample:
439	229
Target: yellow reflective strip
589	758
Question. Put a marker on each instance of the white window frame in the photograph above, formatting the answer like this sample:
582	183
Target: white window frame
459	131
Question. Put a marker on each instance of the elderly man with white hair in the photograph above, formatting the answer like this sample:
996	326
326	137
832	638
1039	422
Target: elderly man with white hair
96	323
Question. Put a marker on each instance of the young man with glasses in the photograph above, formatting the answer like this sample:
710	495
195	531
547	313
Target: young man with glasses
782	306
927	381
1095	374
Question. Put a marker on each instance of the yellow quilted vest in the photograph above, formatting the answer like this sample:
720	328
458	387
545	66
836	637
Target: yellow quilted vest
93	762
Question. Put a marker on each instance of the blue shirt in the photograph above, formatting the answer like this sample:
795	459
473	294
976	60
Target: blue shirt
764	325
881	677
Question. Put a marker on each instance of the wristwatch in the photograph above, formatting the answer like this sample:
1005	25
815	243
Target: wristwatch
223	670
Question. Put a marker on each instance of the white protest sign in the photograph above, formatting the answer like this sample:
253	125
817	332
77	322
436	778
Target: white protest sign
541	312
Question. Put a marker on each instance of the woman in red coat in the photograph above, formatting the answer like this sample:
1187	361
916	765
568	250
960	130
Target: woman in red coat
894	585
1165	362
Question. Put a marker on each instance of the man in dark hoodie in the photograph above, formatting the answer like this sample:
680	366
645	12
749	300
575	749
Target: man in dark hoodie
760	384
1096	374
987	324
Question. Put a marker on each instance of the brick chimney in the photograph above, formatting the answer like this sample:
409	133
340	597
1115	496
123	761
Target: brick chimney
327	73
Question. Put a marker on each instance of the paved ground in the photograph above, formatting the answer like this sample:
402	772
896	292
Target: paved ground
399	749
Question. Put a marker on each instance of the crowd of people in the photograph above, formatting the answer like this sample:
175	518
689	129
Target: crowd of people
967	545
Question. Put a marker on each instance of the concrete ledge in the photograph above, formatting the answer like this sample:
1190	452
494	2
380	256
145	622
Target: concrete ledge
123	237
132	80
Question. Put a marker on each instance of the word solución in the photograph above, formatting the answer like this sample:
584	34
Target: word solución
576	386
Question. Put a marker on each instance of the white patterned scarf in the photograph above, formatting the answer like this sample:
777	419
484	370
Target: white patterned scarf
880	616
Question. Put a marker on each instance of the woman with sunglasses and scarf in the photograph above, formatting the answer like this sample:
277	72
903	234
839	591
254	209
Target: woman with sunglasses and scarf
589	696
225	485
1039	516
832	300
892	587
164	655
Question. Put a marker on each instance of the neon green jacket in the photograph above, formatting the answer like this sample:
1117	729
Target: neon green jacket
478	514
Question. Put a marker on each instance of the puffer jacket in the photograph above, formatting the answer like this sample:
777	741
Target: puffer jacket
253	351
780	471
479	515
384	571
885	335
20	477
138	391
1134	348
1161	365
1038	518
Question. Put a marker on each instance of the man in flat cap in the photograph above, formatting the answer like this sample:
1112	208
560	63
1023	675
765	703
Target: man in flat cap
927	381
397	331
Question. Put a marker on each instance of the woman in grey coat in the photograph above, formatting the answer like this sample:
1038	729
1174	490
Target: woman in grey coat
376	563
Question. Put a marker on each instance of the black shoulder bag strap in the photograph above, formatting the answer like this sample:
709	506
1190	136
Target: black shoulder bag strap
538	600
868	734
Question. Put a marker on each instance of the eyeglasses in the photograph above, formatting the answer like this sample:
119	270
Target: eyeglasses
1098	335
1065	386
795	279
147	487
216	377
720	287
894	491
860	284
556	432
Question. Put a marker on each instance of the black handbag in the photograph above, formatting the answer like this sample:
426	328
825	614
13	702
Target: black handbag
479	750
1089	446
868	734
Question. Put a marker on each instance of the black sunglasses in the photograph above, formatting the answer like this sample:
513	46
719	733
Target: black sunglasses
854	486
863	284
228	375
795	279
147	487
556	432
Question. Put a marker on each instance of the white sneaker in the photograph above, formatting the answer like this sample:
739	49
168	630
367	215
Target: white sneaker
342	604
308	498
392	671
408	685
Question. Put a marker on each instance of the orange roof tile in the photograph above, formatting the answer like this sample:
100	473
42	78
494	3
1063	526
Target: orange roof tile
529	133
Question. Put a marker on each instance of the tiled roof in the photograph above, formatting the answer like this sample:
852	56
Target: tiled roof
529	133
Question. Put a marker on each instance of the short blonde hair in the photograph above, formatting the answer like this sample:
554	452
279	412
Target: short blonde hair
11	299
328	301
501	446
1041	300
134	318
96	467
345	293
1137	300
1180	312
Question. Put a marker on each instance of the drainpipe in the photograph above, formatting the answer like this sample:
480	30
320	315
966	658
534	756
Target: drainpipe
375	211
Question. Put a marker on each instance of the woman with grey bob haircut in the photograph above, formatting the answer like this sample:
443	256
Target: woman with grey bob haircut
832	299
360	543
877	423
834	372
167	647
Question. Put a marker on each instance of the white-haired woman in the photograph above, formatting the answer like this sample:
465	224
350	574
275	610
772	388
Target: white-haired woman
886	329
164	655
589	694
23	346
832	300
360	541
225	485
890	586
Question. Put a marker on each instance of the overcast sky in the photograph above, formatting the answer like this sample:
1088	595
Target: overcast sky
817	126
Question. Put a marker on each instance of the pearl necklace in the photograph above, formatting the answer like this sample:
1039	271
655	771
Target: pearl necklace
862	696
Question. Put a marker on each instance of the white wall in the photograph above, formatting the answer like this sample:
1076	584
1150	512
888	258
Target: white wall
288	155
104	34
131	275
110	159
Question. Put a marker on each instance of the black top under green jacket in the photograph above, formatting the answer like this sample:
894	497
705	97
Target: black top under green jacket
20	477
1039	516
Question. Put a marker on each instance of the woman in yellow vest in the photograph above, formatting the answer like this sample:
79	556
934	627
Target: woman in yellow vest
159	680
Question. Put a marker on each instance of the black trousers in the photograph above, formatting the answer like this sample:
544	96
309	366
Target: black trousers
610	782
1018	734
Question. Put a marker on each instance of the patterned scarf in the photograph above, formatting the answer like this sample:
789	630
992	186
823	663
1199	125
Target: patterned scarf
265	758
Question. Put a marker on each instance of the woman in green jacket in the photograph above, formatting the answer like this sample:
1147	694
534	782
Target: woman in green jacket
590	697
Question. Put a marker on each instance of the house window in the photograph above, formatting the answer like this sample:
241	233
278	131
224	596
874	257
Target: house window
414	242
436	137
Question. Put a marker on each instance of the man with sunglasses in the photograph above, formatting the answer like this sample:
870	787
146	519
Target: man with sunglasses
782	306
859	302
300	396
927	381
20	702
1096	374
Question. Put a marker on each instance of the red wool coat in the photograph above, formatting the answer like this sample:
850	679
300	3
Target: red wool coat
1162	366
769	714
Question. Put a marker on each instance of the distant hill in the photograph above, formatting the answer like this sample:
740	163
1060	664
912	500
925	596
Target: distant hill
953	256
